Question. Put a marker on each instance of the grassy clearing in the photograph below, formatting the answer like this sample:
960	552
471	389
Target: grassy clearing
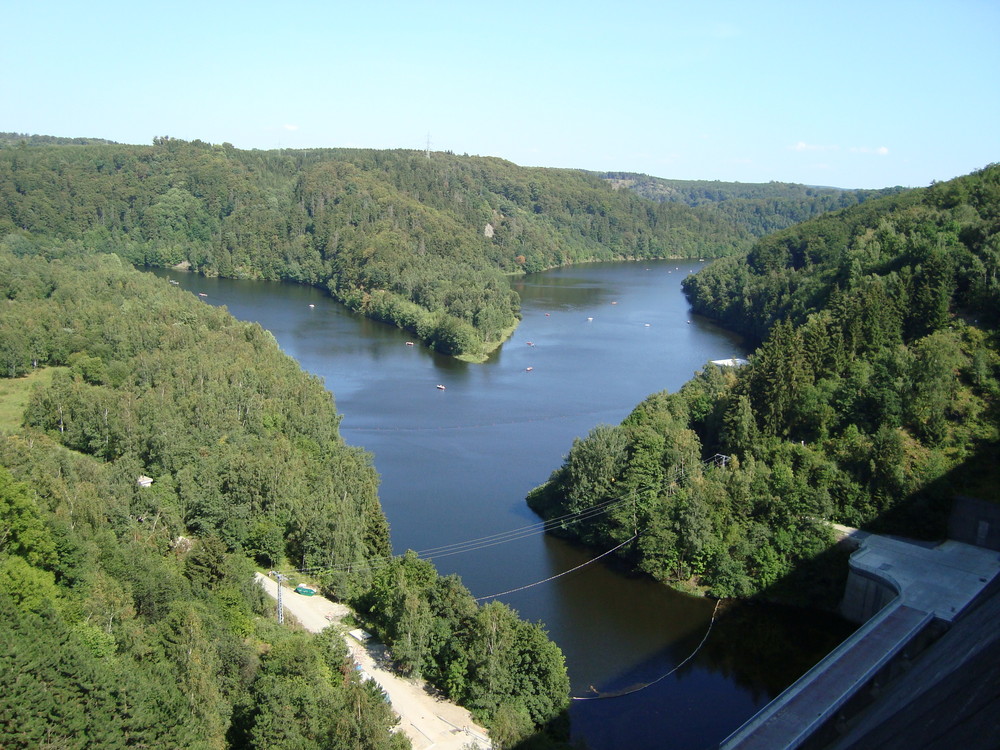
14	395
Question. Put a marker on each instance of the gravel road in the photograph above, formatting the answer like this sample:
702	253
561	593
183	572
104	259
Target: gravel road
429	721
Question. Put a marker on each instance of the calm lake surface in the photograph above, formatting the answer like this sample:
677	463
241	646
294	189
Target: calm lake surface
456	465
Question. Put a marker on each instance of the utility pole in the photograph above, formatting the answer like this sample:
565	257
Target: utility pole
428	150
279	577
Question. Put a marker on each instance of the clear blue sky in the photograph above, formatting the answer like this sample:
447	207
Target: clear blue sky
851	94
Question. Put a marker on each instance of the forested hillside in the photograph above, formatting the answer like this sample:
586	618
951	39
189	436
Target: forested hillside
756	208
129	613
424	243
872	400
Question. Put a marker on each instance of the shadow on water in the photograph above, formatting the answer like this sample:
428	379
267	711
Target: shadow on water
762	648
664	664
760	651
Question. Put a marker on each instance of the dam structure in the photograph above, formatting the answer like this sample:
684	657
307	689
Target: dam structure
909	596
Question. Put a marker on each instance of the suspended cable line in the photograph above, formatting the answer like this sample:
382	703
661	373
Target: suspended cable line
510	536
643	686
557	575
534	528
473	545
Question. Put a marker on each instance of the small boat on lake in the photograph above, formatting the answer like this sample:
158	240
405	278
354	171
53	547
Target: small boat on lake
440	387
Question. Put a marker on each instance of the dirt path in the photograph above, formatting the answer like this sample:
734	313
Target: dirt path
428	721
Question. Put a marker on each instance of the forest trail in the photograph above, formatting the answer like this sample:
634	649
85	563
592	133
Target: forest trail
428	721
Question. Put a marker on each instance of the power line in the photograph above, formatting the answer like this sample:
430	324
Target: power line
643	686
479	543
515	534
474	545
557	575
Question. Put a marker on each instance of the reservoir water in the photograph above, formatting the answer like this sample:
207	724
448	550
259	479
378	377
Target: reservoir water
456	464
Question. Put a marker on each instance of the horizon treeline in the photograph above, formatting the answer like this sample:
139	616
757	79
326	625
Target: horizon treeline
873	398
759	208
424	243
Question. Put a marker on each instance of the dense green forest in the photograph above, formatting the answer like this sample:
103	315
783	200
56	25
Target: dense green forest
130	616
873	398
757	208
483	657
426	242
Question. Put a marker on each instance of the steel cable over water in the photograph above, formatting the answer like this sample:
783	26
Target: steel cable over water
636	688
479	543
557	575
523	532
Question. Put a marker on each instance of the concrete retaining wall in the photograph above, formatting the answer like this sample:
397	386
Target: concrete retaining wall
975	521
865	595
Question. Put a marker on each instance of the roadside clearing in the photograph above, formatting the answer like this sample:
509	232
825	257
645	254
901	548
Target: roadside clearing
428	721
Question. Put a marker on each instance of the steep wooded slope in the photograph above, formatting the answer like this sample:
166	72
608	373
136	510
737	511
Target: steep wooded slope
871	401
